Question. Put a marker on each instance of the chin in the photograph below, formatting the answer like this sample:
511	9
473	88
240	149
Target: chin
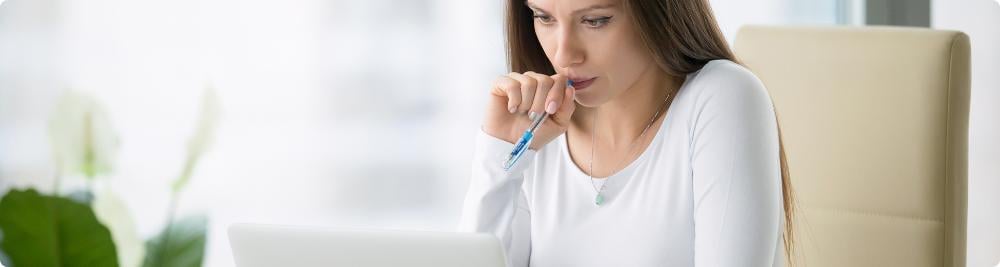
589	102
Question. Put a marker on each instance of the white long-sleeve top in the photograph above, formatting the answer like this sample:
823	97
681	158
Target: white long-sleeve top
705	192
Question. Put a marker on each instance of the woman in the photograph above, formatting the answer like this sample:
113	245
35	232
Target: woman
664	152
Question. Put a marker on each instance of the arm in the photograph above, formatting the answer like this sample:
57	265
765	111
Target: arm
736	175
495	201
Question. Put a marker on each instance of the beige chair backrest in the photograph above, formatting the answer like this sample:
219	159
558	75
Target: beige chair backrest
875	126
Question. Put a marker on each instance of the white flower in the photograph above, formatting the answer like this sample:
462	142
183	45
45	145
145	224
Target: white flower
112	213
203	135
83	139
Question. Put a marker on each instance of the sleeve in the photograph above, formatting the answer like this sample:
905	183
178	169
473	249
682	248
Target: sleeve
495	201
736	175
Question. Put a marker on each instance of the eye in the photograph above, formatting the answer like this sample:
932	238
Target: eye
597	22
542	18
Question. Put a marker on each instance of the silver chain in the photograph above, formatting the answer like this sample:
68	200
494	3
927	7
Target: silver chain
593	145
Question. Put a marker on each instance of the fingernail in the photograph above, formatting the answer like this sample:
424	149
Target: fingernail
569	83
532	115
512	109
551	107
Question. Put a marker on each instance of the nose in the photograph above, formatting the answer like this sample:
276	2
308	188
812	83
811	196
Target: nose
568	51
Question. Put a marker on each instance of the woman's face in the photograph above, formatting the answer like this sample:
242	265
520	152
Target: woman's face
594	43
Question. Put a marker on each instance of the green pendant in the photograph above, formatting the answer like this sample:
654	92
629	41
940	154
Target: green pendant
599	199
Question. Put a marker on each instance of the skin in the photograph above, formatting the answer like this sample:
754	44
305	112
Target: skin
585	39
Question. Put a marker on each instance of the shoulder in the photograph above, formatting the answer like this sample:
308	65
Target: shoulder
726	78
723	84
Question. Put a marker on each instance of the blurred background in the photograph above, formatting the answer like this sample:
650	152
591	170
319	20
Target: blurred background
338	113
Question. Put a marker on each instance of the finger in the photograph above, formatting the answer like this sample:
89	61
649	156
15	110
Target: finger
528	87
556	93
567	107
511	89
543	86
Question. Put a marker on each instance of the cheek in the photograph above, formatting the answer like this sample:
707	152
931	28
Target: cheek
547	41
622	60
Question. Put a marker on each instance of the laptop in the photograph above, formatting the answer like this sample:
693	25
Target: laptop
276	245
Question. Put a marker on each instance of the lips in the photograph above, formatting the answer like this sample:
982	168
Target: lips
580	84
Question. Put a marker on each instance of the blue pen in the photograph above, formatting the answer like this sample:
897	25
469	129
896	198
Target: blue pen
529	134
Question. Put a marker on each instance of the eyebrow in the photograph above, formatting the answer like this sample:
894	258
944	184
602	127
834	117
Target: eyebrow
589	8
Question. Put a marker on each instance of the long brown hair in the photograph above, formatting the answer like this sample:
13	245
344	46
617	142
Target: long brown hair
681	35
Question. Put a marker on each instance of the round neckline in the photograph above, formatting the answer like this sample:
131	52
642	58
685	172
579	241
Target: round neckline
631	165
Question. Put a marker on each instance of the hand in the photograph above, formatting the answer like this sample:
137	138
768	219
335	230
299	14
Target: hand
514	96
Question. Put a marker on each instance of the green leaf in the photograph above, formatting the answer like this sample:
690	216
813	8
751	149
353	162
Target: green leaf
40	230
182	244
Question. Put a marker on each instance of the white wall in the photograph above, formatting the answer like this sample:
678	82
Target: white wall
334	112
980	19
733	14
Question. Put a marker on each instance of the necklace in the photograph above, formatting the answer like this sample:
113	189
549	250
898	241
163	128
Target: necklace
599	199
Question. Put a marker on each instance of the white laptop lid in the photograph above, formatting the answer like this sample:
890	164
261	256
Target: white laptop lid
274	245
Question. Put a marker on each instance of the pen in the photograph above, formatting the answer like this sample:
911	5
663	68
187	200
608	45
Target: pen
529	134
